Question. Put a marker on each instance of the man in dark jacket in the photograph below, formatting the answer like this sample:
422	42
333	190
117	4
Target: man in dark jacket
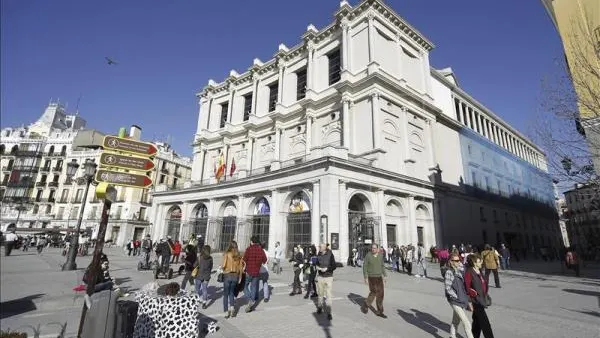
254	257
325	267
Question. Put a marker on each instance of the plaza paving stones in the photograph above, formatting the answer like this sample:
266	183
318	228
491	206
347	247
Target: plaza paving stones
548	302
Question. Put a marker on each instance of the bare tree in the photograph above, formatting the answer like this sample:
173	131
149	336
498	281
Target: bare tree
568	123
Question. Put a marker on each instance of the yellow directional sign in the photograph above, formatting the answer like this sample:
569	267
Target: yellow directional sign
123	179
129	146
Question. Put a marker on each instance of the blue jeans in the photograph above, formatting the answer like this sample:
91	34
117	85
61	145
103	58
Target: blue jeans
103	286
505	263
202	289
252	284
264	281
229	285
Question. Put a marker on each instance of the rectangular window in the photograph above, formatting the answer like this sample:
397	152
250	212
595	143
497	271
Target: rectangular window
162	179
334	66
74	213
474	178
247	106
273	93
457	109
224	111
301	84
482	214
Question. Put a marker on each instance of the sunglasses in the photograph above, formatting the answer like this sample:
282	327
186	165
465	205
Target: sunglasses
455	260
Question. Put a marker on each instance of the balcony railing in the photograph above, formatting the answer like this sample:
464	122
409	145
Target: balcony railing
7	168
27	153
26	184
63	200
27	168
4	183
164	170
53	184
45	169
57	169
76	200
40	184
177	173
45	200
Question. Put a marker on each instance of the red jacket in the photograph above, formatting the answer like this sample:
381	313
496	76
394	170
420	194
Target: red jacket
177	248
254	257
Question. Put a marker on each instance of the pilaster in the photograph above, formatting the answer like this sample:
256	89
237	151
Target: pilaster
343	219
381	210
412	219
346	102
277	229
317	234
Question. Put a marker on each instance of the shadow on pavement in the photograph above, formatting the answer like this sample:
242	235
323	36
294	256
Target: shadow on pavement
324	323
591	313
18	306
214	293
425	322
585	293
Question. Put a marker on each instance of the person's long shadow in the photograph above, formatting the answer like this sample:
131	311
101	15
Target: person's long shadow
19	306
425	322
324	323
214	294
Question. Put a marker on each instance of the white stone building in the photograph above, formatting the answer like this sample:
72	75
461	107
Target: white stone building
343	138
34	180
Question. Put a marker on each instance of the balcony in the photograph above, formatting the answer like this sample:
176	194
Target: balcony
95	200
76	200
146	200
4	183
27	168
22	184
164	170
53	184
63	200
68	182
26	153
177	173
57	169
41	184
17	199
44	200
7	168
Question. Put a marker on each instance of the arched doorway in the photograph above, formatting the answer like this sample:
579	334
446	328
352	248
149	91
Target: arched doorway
363	226
395	223
299	225
228	226
199	220
173	222
260	221
423	220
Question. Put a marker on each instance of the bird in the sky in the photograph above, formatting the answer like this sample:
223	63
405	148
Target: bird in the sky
110	61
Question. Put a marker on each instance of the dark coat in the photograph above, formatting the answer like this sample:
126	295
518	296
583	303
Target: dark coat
461	298
205	266
477	285
326	260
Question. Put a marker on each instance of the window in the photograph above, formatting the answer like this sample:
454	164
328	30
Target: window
64	196
301	84
487	183
224	111
51	195
247	106
499	187
61	212
48	209
93	213
334	66
78	195
162	179
36	209
482	214
474	178
74	213
469	149
273	93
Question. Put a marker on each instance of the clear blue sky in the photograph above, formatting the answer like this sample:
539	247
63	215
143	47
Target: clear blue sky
167	51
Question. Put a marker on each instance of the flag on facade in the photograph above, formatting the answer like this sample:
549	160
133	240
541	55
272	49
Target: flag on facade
221	167
232	169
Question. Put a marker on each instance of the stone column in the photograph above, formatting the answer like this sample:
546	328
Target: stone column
478	121
281	66
310	47
376	120
186	211
406	145
309	120
343	219
276	228
469	122
461	117
371	28
212	229
431	149
254	94
277	144
316	213
346	122
242	233
412	220
250	154
345	41
381	212
230	107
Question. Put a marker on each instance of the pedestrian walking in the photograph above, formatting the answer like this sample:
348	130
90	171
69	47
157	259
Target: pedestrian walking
325	267
420	260
254	257
147	249
189	262
491	261
41	243
204	264
233	269
457	296
10	241
505	257
297	261
176	252
129	246
277	256
264	276
572	260
310	270
477	289
374	273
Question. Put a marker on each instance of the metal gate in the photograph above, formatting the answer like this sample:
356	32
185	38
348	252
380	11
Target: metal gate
364	231
299	226
220	232
243	233
260	228
173	227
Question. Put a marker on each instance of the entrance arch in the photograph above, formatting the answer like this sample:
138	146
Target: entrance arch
199	221
395	223
424	222
363	226
228	222
299	223
261	217
173	222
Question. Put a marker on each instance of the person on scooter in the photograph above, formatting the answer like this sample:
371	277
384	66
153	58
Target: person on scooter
163	250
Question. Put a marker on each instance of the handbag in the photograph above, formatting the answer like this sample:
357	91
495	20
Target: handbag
220	277
195	272
488	300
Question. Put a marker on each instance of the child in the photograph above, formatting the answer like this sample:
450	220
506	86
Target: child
205	266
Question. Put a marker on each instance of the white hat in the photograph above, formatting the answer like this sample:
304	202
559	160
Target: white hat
199	236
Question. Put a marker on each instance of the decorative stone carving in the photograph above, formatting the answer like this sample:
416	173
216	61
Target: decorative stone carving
333	126
295	140
267	148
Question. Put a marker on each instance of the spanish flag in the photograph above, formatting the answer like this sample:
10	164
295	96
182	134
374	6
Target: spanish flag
221	167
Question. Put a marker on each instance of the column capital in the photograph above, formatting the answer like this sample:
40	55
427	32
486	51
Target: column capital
346	99
344	24
342	182
278	126
371	16
316	182
375	95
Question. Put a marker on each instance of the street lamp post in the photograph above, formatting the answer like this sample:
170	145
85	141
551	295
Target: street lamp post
89	172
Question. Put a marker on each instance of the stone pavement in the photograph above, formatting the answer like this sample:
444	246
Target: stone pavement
34	292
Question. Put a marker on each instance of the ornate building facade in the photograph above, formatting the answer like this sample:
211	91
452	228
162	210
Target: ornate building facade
349	138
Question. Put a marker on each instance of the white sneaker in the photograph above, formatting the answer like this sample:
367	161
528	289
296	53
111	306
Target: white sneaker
417	276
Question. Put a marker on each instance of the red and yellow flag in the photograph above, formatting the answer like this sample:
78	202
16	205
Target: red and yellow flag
221	167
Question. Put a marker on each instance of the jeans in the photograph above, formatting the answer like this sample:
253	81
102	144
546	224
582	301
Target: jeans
277	265
496	277
459	315
202	290
481	322
103	286
312	286
187	278
229	284
422	268
297	284
165	260
252	283
505	263
8	247
264	282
